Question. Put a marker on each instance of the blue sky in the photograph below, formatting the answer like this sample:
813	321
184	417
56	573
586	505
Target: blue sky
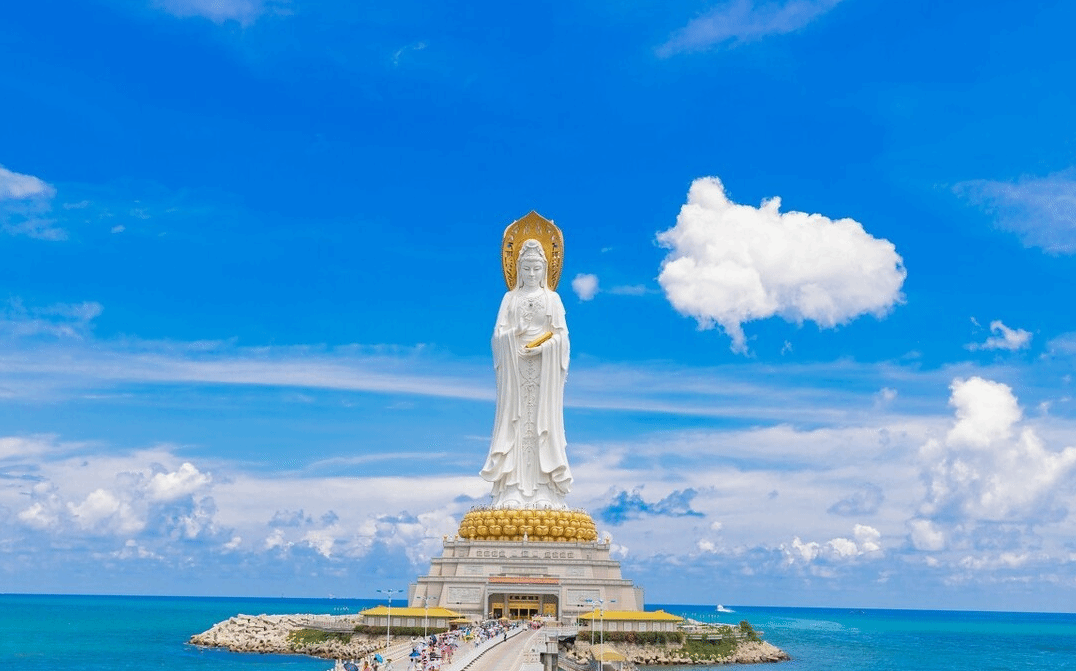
818	274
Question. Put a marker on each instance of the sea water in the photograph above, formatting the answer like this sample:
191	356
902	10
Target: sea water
820	639
94	633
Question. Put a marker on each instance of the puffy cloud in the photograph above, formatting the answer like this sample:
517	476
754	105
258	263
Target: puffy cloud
741	21
104	511
988	467
1040	210
16	186
1003	338
925	535
177	484
585	286
71	499
867	541
985	410
731	264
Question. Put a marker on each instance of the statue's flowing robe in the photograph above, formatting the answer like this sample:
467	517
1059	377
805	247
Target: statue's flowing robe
546	481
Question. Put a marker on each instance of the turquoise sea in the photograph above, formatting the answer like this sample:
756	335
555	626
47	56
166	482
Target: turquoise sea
40	632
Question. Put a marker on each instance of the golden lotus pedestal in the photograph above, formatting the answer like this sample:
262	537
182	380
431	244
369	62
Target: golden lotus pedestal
508	524
522	563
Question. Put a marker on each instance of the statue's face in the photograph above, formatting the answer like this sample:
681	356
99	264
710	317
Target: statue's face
532	271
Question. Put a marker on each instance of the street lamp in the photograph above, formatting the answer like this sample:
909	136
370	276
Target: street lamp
601	627
388	618
426	622
586	601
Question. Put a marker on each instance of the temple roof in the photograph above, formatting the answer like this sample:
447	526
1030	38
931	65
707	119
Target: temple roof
410	611
652	616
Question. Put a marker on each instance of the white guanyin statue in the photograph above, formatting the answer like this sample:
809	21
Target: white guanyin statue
528	462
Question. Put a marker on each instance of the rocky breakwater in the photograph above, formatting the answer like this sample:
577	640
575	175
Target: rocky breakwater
745	652
315	635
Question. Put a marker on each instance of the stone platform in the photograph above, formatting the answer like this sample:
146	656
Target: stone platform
523	578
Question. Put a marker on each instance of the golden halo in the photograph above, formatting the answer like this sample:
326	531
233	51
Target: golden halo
533	225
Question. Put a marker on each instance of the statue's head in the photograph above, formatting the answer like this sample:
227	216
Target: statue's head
531	267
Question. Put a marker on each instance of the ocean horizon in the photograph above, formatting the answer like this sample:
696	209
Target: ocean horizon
99	632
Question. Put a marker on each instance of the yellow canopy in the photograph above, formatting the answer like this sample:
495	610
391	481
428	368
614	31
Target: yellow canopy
410	611
635	615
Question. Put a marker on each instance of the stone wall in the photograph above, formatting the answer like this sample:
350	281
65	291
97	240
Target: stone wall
747	652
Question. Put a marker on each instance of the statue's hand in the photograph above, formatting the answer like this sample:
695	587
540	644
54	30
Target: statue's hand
530	351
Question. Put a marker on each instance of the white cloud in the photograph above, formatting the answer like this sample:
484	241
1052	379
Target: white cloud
1004	338
867	542
1063	345
221	11
629	290
985	411
103	510
39	229
118	228
414	46
24	199
741	21
61	320
989	467
20	447
1040	210
731	264
177	484
585	286
16	186
925	535
868	538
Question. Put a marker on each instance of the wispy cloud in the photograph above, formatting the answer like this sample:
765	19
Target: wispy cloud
1004	338
17	186
64	320
244	12
741	21
51	353
25	202
1040	210
399	53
